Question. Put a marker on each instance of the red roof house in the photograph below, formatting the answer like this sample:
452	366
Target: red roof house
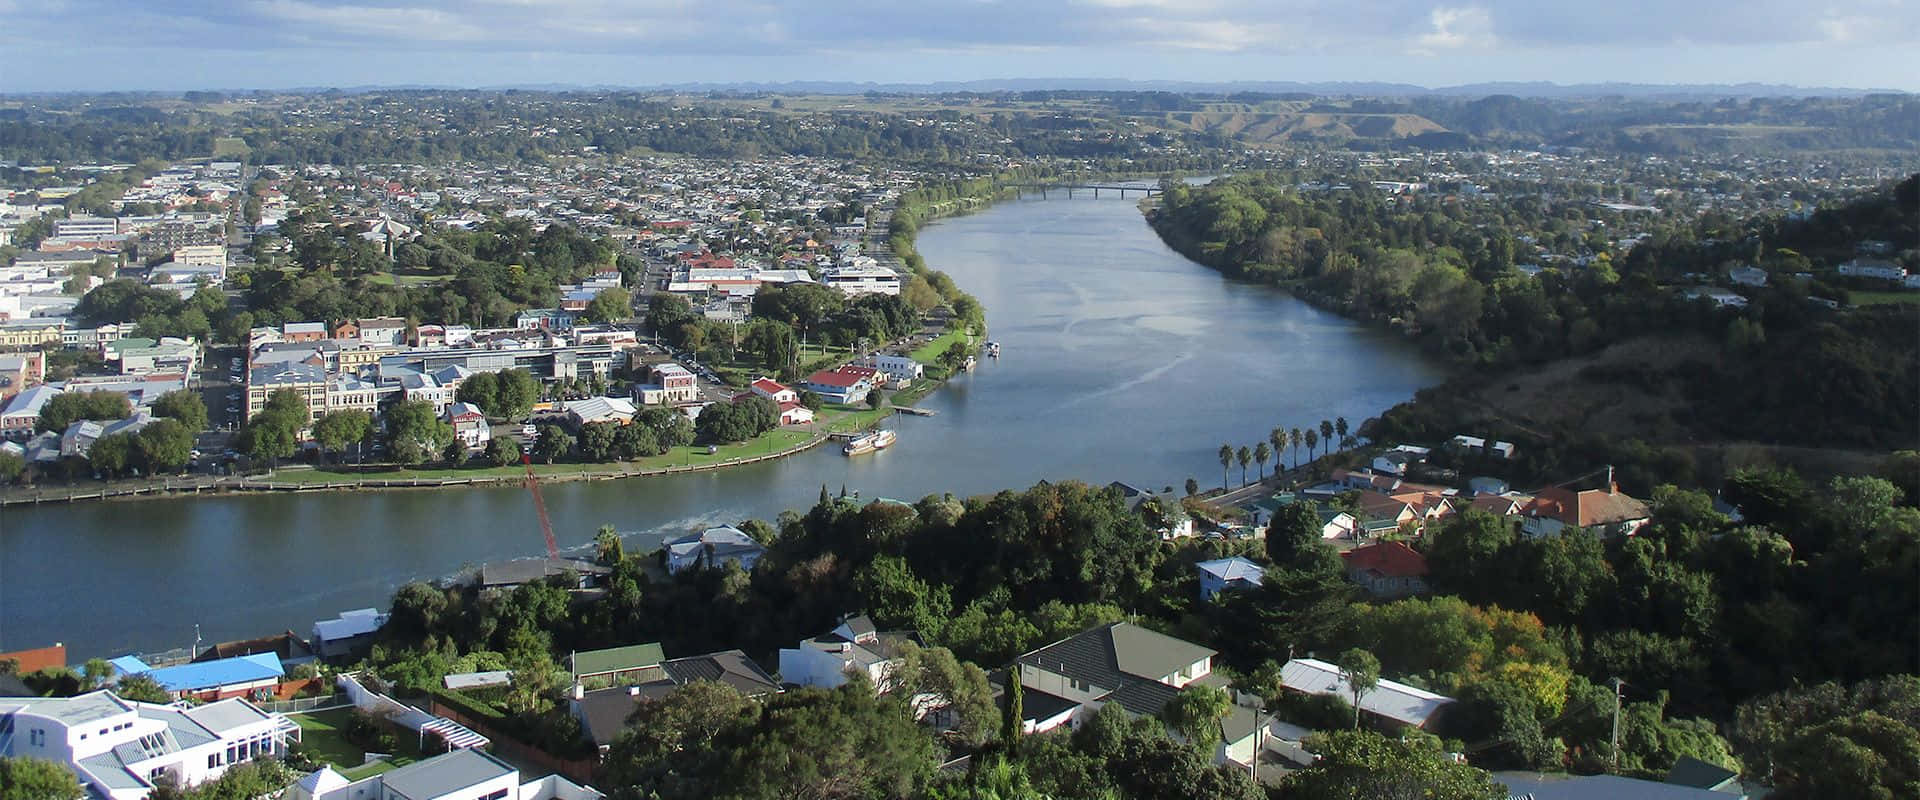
1387	569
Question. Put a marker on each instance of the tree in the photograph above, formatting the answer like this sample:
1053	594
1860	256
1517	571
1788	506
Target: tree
1193	487
481	389
551	443
1362	765
597	441
1277	438
1294	437
1867	755
11	466
610	305
940	683
1361	671
1013	717
184	405
142	688
112	455
1261	452
517	390
1195	714
607	546
897	598
164	445
1244	456
1293	533
26	778
271	435
954	357
415	433
1340	428
336	431
503	450
66	408
1312	439
1326	432
635	440
1226	464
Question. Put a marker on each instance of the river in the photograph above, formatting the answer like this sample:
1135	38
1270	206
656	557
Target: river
1121	361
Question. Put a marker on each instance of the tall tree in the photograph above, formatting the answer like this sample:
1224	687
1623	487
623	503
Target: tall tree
1245	457
1362	765
1312	439
1226	465
1326	432
1361	671
1340	428
184	405
1278	438
1195	714
1294	436
1261	452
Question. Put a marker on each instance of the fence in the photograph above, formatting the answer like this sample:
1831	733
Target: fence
577	770
306	704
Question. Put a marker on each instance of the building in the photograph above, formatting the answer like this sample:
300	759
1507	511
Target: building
775	391
1748	276
201	255
859	280
1607	512
1873	268
21	370
469	425
303	331
617	410
86	228
463	774
899	368
854	646
120	748
22	413
603	713
509	574
170	356
1387	569
677	384
1522	786
1389	701
31	332
711	548
1067	681
308	381
633	663
219	679
842	386
1227	574
345	636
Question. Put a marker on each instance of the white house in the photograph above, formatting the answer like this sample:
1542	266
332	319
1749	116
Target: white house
713	547
119	748
464	774
827	660
1389	700
469	425
899	368
351	631
854	281
773	390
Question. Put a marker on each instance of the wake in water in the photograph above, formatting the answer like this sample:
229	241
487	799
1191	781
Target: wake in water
1144	377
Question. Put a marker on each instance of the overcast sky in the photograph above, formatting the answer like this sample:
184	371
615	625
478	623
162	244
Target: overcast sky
229	44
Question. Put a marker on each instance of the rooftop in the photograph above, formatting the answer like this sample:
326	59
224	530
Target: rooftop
617	659
445	774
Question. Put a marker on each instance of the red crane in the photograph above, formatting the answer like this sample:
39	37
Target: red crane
540	506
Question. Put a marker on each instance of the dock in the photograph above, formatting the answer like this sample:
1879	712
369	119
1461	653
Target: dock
918	412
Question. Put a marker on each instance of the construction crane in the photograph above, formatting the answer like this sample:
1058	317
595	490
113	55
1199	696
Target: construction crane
540	507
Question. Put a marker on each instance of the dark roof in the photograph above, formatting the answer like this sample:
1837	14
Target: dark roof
528	570
1690	771
616	659
1036	705
11	686
860	624
1108	655
285	645
1144	698
731	667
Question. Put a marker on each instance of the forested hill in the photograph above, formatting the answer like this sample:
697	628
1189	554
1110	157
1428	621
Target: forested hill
1783	369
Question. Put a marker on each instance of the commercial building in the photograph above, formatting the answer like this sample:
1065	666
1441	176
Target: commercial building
306	380
858	280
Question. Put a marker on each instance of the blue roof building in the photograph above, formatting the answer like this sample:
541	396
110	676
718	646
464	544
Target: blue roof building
1222	574
214	680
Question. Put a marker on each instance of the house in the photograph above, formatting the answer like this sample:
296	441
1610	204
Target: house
1539	786
1162	513
1392	462
22	413
381	331
119	748
1227	574
1337	524
1690	771
469	425
348	635
854	645
603	713
1389	701
1487	486
633	663
841	385
1721	298
1607	512
795	414
600	409
899	368
775	391
1068	680
1364	479
1873	268
509	574
712	548
1748	276
1499	505
1387	569
218	679
463	774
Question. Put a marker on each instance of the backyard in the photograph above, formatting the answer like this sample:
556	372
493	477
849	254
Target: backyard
323	736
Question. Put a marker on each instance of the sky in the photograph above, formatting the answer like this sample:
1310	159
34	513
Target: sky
91	45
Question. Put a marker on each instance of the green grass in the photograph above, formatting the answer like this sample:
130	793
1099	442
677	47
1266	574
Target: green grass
1883	298
929	353
691	455
323	735
393	279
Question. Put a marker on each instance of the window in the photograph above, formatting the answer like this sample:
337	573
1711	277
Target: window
37	738
213	760
1080	685
494	795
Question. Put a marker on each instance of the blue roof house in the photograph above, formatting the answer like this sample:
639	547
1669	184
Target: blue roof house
1226	574
214	680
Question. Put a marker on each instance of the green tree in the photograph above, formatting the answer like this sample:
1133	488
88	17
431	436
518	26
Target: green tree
517	390
185	406
1361	671
1362	765
481	389
1226	465
164	445
415	434
503	450
112	455
1278	438
66	408
1193	487
897	598
271	435
141	688
1340	428
635	440
607	546
1313	439
956	690
551	443
336	431
1013	716
1293	534
11	466
1244	456
27	778
610	305
1294	437
1261	452
597	441
1195	714
1866	755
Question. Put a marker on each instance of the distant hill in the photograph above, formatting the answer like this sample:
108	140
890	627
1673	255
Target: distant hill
1532	89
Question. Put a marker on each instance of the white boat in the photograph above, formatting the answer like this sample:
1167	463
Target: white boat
877	440
993	349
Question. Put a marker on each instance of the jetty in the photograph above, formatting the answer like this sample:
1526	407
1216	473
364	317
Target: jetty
918	412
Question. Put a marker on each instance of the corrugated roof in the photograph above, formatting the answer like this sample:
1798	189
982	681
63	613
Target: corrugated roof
1391	699
225	672
445	774
617	659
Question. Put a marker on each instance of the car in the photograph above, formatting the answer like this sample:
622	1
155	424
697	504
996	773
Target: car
233	409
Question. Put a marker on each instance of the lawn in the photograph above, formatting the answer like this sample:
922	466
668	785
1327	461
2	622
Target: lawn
323	735
692	455
743	368
1883	298
929	353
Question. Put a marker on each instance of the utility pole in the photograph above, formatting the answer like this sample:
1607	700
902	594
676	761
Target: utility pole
1613	753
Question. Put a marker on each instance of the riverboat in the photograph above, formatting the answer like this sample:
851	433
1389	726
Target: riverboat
993	349
878	440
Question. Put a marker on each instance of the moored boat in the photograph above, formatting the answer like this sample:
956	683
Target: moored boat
877	440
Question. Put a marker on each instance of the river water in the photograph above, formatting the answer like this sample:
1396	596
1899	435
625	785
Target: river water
1121	361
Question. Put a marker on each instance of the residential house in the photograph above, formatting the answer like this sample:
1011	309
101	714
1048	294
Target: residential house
1607	512
1337	524
899	369
390	331
1389	701
289	648
774	390
347	635
677	384
1692	772
219	679
1748	276
712	548
303	331
120	749
1539	786
1500	505
22	413
1161	512
603	713
463	774
842	386
825	661
1481	486
1227	574
1873	268
634	663
469	425
1387	569
509	574
1139	669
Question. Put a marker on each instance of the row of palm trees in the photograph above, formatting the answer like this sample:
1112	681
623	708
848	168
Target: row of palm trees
1276	445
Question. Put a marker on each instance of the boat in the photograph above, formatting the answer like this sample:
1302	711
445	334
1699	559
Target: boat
993	349
968	364
877	440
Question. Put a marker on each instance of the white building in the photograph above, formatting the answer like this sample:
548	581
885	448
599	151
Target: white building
119	748
856	281
464	774
202	255
86	228
1871	268
1388	700
854	646
899	368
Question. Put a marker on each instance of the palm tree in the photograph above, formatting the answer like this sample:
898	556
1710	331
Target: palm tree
1261	452
1244	456
1340	427
1295	436
1326	432
1313	438
1279	439
1226	462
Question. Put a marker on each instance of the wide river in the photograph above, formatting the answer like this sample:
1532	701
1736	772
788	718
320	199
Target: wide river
1121	361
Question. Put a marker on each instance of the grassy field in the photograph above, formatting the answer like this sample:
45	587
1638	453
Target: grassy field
323	734
743	369
930	352
394	279
1883	298
691	455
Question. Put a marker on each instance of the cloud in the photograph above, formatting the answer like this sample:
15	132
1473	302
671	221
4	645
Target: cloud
1455	29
